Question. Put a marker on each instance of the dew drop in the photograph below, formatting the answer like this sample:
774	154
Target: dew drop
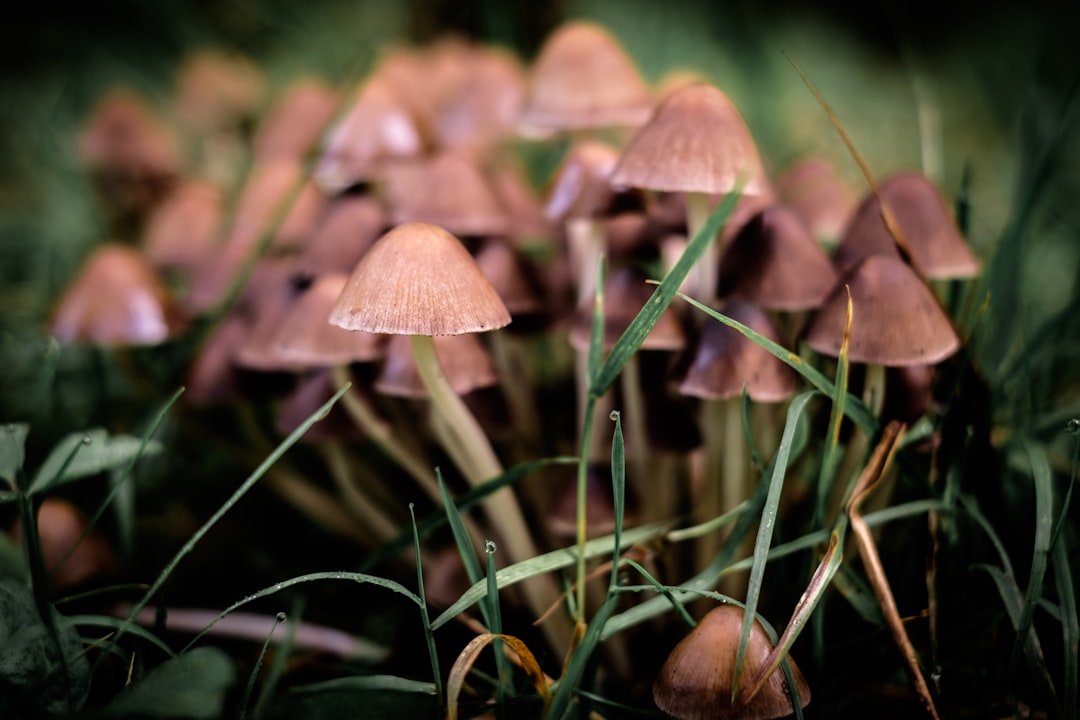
281	617
1073	426
489	547
614	415
86	440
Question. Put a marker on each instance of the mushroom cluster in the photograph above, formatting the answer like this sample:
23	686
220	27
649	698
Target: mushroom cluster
353	218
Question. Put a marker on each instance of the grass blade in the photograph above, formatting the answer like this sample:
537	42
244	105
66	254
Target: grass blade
631	339
854	408
429	634
233	499
464	662
575	670
1070	629
765	531
618	486
1044	504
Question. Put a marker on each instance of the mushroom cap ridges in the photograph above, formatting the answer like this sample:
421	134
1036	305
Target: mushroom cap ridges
696	141
418	279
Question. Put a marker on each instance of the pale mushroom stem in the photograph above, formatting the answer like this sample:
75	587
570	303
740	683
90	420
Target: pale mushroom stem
481	465
356	501
707	269
724	475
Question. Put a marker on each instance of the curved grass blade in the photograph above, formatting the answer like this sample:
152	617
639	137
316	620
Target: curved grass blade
1044	516
233	499
12	450
111	622
618	487
1070	629
300	579
460	670
854	408
831	458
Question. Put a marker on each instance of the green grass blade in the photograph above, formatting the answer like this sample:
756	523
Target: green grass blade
596	329
854	408
1044	505
1070	629
1066	502
233	499
618	486
12	450
663	590
831	458
108	621
561	704
548	562
461	535
631	339
299	580
241	711
494	621
429	634
765	531
392	683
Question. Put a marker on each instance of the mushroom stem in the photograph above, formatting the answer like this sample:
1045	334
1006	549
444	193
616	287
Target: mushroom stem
724	475
707	269
656	494
364	416
480	465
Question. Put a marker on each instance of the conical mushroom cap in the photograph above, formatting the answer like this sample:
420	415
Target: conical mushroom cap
937	248
449	190
817	194
418	279
896	320
580	187
582	79
695	681
117	298
306	337
696	141
775	262
625	293
725	360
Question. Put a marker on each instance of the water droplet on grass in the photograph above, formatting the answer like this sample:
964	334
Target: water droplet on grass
281	617
489	547
614	415
1073	426
86	440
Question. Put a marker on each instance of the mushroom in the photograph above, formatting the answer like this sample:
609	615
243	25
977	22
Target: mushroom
419	280
698	144
696	680
583	78
723	363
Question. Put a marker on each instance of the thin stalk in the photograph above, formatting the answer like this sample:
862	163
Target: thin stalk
480	465
358	504
582	499
707	270
654	493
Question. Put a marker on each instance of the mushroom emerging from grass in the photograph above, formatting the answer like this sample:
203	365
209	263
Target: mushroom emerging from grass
419	280
696	680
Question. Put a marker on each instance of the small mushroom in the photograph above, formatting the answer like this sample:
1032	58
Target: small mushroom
695	682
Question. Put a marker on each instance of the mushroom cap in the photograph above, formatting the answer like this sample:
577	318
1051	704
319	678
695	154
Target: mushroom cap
937	248
896	320
297	119
583	78
696	141
117	298
418	279
126	136
775	262
449	190
580	187
378	127
725	360
306	337
347	228
216	89
695	681
817	194
185	227
485	109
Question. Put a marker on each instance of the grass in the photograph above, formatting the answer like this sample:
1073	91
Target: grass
977	541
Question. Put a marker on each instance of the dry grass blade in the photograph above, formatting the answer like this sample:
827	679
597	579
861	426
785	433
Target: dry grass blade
871	475
465	660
